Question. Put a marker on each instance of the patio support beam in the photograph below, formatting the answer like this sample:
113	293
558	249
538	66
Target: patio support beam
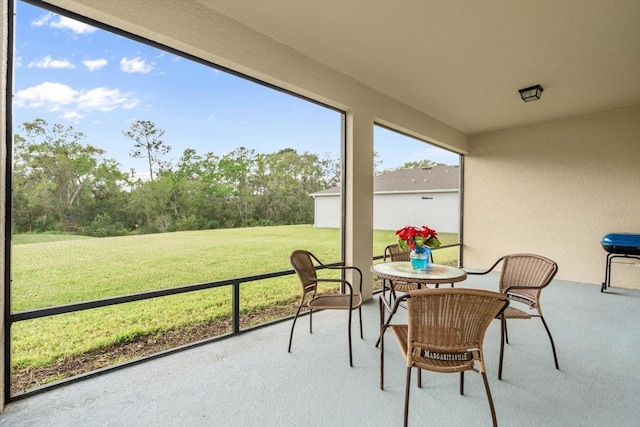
359	196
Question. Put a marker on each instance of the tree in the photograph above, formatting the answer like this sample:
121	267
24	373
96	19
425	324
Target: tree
236	169
148	145
283	182
110	198
425	163
201	193
330	171
58	178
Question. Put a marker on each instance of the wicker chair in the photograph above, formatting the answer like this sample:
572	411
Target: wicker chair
522	279
444	333
394	253
303	264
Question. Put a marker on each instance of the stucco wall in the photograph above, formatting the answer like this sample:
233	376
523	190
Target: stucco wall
556	189
438	211
327	211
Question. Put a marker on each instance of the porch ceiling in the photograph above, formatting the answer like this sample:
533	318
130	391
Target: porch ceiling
462	62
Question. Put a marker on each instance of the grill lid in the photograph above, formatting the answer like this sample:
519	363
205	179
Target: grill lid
623	243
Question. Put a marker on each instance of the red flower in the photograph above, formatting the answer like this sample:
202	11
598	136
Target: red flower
407	232
411	237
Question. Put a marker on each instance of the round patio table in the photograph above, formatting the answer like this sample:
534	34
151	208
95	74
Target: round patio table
403	272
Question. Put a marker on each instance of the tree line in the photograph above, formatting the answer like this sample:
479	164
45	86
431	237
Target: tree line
61	183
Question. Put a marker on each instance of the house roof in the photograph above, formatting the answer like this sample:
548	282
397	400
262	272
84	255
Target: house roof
437	178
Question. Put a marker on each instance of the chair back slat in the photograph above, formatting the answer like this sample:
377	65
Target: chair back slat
451	320
303	265
394	253
527	270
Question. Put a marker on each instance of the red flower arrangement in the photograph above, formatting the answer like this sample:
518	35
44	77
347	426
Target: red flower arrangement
416	238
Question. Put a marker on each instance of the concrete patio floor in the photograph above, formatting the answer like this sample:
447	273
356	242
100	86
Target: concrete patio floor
250	379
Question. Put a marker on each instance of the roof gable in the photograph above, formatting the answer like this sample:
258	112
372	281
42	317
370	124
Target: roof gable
436	178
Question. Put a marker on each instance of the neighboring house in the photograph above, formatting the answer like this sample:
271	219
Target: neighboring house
428	196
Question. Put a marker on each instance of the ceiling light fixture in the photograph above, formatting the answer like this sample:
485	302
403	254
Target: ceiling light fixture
531	93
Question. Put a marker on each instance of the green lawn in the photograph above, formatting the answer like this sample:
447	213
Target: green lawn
22	239
58	270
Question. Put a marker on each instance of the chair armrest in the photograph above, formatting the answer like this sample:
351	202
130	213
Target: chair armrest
384	306
344	282
480	273
506	304
321	265
349	267
315	281
476	273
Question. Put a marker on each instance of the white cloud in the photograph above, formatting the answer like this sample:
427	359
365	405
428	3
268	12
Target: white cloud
42	21
47	62
94	64
59	97
101	99
72	116
130	104
73	25
56	21
135	65
51	96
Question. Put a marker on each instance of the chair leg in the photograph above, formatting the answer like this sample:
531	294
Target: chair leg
293	326
381	365
381	362
381	313
406	397
462	383
360	316
486	387
553	347
419	377
349	332
503	328
381	342
384	288
506	332
392	293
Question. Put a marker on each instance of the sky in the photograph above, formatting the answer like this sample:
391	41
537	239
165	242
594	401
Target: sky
70	73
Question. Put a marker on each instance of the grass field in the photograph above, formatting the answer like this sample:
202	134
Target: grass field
50	270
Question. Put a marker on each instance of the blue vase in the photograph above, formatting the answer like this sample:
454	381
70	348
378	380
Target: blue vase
420	258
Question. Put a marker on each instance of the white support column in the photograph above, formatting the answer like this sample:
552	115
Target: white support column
359	196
